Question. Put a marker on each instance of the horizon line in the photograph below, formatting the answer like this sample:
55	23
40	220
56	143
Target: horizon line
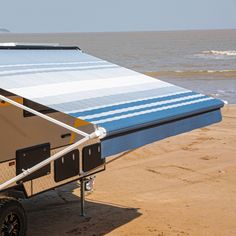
122	31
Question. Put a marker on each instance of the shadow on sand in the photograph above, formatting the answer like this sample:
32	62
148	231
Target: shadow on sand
58	213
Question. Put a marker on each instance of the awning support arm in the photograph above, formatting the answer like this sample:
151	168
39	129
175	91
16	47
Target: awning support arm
48	118
99	133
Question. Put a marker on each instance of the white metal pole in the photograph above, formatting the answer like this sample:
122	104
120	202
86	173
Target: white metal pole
99	133
42	164
48	118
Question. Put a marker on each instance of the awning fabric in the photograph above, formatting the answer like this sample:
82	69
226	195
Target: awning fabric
133	108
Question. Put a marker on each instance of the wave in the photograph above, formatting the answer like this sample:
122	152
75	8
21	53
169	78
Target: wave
214	54
203	71
223	53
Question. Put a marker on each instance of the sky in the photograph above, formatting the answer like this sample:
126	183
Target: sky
38	16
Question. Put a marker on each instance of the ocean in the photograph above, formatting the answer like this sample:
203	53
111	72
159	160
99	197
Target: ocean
204	61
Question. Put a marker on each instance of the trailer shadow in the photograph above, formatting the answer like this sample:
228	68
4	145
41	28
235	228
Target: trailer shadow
58	213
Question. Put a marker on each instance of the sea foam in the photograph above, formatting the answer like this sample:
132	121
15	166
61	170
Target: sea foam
223	53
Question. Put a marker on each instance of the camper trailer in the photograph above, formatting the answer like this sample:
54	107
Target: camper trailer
63	113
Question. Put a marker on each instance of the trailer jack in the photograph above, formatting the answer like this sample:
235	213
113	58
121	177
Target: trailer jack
82	196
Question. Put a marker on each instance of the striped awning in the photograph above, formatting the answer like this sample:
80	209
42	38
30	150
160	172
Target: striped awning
133	108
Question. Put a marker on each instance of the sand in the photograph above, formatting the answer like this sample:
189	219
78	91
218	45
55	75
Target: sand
184	185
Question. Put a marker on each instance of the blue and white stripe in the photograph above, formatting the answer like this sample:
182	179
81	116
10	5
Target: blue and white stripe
137	105
144	110
95	90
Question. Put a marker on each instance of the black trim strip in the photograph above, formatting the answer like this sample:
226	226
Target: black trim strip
39	47
6	93
2	162
37	107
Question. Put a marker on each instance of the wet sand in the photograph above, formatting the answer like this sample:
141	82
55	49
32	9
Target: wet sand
184	185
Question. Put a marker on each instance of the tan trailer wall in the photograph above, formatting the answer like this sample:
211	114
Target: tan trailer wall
17	131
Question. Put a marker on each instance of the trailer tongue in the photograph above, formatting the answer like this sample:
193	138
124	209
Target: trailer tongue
63	113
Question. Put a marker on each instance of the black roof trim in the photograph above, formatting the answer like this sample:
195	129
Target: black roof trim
39	47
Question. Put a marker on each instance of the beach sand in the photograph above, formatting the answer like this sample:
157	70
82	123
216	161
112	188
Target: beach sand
184	185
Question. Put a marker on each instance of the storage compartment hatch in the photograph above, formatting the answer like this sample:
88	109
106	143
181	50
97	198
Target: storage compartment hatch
29	157
67	166
92	157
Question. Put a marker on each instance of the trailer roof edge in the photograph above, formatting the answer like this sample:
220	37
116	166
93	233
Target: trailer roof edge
32	46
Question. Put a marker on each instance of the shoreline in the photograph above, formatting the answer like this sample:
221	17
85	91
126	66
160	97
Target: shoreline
200	74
